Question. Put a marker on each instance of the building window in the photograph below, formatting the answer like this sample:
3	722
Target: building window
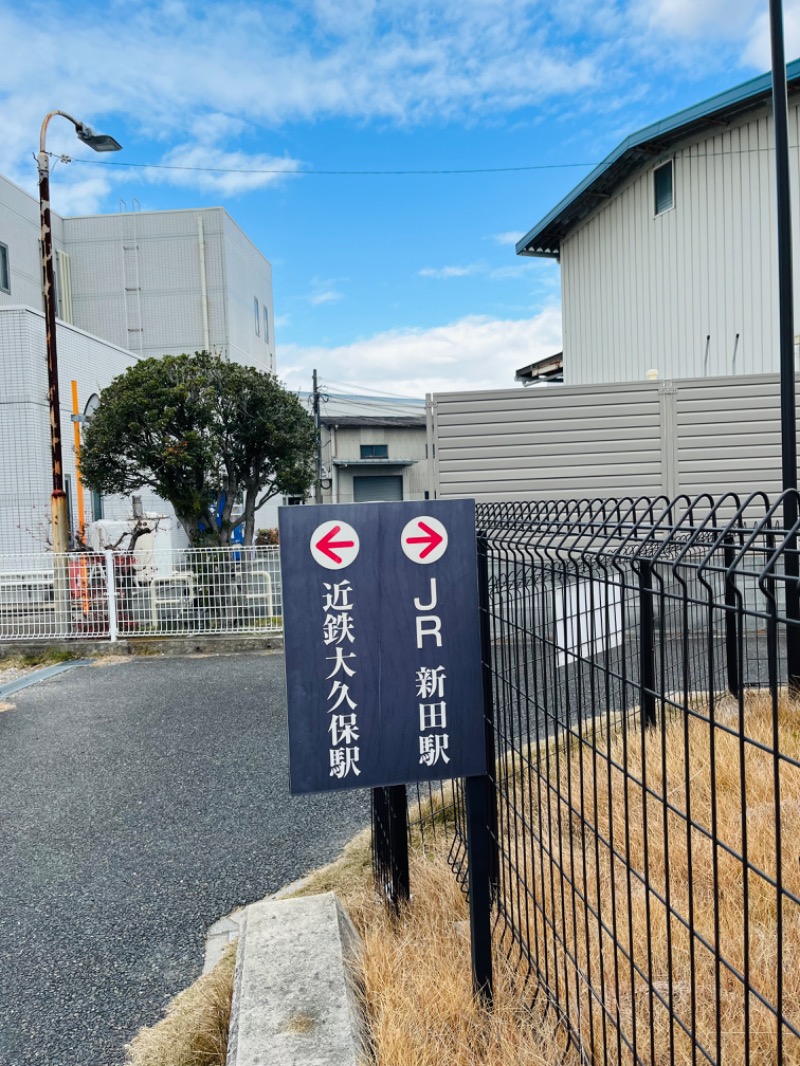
663	188
258	314
266	325
374	451
5	273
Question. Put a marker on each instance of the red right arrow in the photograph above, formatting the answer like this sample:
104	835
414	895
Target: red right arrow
433	540
327	543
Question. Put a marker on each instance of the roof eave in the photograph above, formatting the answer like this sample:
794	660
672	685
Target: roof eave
544	239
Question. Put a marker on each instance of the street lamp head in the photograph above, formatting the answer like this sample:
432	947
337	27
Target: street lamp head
100	142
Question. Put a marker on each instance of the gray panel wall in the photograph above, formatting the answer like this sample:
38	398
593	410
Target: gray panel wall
565	442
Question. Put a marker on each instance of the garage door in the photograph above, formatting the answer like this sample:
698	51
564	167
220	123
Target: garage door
385	488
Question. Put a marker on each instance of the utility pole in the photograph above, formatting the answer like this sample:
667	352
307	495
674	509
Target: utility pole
780	117
315	407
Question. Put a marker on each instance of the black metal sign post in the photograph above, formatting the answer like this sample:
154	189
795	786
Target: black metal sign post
479	856
384	664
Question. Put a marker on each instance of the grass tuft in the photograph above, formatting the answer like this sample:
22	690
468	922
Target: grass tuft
194	1031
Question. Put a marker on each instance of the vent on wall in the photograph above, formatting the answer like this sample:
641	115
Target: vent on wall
63	287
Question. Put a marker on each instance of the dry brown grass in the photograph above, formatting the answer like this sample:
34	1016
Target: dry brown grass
417	969
194	1030
418	984
683	866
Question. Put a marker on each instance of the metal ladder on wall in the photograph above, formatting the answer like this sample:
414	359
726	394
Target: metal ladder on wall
131	280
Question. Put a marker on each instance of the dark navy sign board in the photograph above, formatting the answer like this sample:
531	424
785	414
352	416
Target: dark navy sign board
382	638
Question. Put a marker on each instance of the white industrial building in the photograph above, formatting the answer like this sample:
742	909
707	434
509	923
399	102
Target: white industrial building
25	430
667	248
670	325
129	285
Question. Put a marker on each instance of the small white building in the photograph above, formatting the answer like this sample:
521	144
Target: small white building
667	248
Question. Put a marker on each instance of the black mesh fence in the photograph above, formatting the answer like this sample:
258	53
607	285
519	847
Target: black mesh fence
646	781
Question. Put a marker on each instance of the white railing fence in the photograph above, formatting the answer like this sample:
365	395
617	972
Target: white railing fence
115	595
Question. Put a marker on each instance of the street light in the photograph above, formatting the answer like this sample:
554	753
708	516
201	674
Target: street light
100	142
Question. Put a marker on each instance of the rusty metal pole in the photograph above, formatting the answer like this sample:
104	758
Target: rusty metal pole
58	510
58	500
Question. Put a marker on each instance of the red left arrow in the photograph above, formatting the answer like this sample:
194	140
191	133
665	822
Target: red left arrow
432	539
326	544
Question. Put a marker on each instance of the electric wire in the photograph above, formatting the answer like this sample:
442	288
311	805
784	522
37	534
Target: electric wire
407	172
327	173
367	389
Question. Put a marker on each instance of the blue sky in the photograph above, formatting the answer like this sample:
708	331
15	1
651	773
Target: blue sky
403	283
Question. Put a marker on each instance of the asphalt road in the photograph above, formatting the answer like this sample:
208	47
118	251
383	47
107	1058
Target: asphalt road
139	802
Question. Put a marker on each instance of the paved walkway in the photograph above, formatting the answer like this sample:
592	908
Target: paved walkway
139	802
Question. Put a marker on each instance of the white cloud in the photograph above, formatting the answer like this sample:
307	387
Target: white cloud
449	271
171	68
758	52
212	158
508	238
324	291
523	268
514	269
197	78
476	352
325	296
741	23
690	19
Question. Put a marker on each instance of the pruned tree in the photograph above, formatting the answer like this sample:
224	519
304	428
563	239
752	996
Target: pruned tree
204	434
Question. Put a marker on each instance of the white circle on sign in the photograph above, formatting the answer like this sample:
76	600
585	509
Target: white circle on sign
424	539
334	545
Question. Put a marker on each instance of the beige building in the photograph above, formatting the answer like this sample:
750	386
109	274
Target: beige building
373	450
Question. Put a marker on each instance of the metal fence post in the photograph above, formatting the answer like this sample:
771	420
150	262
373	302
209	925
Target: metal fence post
647	657
488	712
111	595
481	813
732	620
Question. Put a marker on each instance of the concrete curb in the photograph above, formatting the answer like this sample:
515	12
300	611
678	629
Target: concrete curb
296	999
226	929
146	646
38	675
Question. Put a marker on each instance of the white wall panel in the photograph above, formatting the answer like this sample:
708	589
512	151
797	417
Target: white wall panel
248	277
19	231
25	459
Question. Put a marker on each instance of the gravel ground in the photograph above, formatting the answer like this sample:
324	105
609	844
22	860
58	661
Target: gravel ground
11	673
140	801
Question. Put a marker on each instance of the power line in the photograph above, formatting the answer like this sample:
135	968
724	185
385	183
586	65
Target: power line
315	172
320	173
366	388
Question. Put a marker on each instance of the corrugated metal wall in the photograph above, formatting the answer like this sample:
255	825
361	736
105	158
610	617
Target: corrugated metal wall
691	291
566	442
